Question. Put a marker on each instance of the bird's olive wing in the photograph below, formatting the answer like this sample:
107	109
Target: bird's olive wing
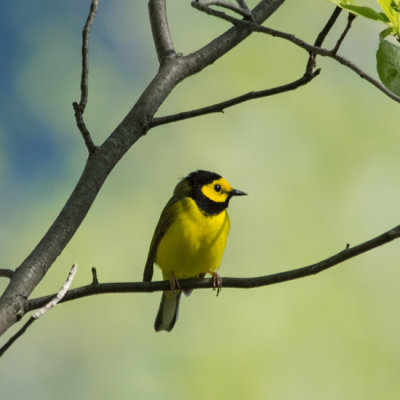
164	223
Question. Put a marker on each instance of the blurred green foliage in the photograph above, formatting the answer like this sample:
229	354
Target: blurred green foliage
320	165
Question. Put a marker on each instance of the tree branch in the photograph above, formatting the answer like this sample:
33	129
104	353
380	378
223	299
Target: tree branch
80	108
102	161
242	9
323	34
140	287
95	281
6	273
221	45
350	18
220	107
328	26
160	29
242	4
256	27
48	306
205	7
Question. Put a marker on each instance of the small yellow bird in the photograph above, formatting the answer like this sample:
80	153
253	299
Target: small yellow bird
190	237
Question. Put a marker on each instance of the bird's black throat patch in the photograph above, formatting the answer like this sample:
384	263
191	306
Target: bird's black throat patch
207	206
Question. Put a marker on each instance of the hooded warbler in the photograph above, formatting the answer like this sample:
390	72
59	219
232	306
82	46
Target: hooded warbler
190	237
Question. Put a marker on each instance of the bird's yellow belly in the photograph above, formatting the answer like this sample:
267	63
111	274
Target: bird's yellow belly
194	243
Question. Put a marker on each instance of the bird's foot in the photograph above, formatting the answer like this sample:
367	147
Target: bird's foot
217	282
174	283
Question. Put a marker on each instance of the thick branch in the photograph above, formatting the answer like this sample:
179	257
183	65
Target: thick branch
99	165
346	254
160	29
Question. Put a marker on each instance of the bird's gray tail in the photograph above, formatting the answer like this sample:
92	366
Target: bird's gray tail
168	311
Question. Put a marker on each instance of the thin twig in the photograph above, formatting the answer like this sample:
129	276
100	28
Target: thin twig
229	6
323	34
11	341
85	54
83	129
203	6
80	108
350	18
95	281
59	296
328	26
136	287
41	311
220	107
6	273
298	42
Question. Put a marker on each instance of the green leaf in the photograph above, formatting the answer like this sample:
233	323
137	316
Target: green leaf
395	5
366	12
386	7
341	3
391	8
388	65
385	33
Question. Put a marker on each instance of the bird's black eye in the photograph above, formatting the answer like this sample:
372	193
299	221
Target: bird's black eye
217	188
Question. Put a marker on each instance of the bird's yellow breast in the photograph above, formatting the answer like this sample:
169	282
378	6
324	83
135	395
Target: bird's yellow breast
194	243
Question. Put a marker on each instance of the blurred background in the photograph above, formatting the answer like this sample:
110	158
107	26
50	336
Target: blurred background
320	165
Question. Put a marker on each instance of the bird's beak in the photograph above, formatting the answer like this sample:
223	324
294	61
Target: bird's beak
235	192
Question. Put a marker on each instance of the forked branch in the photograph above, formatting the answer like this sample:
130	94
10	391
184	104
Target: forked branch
46	307
308	75
255	27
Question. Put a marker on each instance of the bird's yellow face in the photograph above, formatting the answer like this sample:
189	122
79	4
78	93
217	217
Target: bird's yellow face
218	190
210	191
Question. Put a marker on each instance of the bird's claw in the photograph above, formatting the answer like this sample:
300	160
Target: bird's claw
174	283
217	282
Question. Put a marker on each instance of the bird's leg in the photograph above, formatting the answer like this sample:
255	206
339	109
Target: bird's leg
217	281
173	282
